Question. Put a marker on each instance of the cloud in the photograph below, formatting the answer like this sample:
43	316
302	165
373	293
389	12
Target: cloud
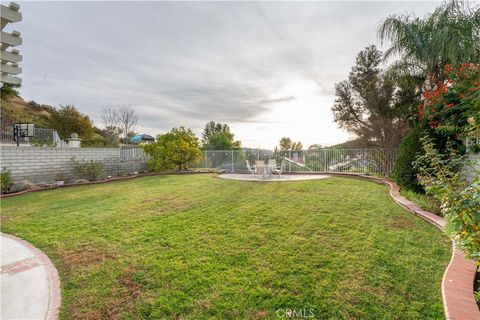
185	63
277	100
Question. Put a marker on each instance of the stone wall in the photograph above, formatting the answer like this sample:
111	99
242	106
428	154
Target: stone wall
39	164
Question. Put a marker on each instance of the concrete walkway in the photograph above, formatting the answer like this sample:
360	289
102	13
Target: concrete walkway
29	281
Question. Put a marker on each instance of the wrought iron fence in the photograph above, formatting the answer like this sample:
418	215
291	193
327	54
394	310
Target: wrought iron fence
41	137
368	161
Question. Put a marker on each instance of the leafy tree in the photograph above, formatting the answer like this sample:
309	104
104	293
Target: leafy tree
447	40
448	36
287	144
297	146
111	136
103	138
67	120
217	136
374	104
174	149
8	90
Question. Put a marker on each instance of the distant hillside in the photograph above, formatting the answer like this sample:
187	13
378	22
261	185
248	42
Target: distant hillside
16	109
351	144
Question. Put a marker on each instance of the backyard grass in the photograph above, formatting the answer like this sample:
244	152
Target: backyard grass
198	247
425	201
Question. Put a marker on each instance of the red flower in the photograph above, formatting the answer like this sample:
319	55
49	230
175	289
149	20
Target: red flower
447	68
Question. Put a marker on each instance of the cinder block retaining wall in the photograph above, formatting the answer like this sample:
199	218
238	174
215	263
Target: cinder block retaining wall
38	164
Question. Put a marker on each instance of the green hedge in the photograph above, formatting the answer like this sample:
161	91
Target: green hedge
404	172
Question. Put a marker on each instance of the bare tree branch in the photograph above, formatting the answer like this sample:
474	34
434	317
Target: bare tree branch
127	120
110	117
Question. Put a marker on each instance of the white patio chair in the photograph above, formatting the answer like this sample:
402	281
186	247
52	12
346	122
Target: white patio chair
253	169
280	169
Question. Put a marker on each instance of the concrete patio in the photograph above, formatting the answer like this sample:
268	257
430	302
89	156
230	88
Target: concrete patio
272	178
29	282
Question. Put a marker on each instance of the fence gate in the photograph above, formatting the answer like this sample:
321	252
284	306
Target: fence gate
132	153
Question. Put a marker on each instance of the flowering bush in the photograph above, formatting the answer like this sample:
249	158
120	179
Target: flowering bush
452	108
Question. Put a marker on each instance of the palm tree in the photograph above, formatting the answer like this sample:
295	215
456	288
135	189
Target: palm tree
451	35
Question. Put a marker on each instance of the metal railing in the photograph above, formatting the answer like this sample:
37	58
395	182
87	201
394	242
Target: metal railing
42	137
132	153
367	161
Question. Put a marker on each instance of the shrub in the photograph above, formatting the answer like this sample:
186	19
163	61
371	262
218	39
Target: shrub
451	111
5	180
174	149
8	91
440	175
404	171
90	170
461	211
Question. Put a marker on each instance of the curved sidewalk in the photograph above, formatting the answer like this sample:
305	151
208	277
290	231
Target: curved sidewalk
29	284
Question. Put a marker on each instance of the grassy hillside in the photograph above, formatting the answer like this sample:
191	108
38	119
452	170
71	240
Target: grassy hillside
15	109
350	144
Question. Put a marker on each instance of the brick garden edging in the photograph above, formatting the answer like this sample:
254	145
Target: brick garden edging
457	283
54	297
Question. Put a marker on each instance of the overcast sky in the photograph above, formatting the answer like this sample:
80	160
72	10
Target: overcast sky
267	69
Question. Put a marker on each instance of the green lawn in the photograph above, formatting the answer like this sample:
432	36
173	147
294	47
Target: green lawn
198	247
426	202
